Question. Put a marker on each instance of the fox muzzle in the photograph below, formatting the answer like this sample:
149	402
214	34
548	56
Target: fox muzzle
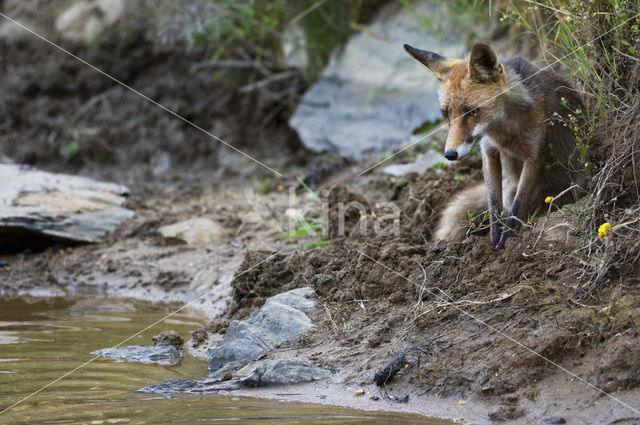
451	155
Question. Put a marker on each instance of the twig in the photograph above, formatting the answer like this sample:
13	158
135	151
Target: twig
266	81
626	55
546	219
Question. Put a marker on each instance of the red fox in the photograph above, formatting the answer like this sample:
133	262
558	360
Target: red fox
523	119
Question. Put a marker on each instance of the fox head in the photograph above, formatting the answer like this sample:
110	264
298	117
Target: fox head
469	90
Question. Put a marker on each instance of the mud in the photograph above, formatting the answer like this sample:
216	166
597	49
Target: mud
464	318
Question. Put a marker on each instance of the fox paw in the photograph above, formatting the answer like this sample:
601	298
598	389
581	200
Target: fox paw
506	234
496	235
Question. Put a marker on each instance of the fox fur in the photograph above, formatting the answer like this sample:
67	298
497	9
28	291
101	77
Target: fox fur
523	119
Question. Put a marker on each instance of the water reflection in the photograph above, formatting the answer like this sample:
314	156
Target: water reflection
40	340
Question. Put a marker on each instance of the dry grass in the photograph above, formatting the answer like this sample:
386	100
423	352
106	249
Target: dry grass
598	43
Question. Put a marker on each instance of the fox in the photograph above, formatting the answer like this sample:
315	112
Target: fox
524	120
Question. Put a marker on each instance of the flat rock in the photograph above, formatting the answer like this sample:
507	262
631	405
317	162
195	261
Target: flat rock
165	355
275	323
193	231
38	208
296	298
267	373
372	95
264	373
83	20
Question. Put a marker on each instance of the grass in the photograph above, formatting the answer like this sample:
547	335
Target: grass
596	42
249	29
267	184
307	226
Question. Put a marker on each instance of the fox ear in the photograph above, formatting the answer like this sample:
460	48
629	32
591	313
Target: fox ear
484	65
437	64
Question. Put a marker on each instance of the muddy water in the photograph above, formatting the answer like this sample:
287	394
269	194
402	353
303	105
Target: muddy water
42	340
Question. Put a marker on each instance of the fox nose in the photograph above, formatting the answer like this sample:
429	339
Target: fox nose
451	155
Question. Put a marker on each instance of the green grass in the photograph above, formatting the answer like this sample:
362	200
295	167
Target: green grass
237	28
307	226
69	150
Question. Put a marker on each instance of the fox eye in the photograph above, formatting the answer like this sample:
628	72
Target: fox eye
473	112
445	114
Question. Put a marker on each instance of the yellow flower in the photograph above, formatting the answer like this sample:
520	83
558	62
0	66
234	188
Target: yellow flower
604	230
461	402
548	199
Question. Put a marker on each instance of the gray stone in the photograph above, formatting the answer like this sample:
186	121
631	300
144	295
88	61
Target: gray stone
242	340
190	386
193	231
279	372
160	354
38	208
372	95
263	373
296	298
275	323
83	20
233	362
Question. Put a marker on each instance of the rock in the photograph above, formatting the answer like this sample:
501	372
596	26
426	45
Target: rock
4	159
233	363
38	209
420	165
555	420
275	323
168	338
279	372
263	373
296	298
192	231
506	412
240	341
161	354
13	34
85	20
189	386
372	95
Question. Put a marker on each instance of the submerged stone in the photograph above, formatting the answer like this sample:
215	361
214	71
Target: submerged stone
165	355
264	373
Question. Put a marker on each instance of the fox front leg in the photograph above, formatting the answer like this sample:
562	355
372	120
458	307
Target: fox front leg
528	179
492	170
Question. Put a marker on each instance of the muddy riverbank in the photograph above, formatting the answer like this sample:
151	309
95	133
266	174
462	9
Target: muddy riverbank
465	331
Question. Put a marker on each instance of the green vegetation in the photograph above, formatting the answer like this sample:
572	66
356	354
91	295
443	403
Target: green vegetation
253	30
307	226
596	42
69	150
268	184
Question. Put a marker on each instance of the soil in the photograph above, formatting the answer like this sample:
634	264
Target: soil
508	333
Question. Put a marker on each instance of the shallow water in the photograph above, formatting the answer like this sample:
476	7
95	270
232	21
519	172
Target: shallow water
42	340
